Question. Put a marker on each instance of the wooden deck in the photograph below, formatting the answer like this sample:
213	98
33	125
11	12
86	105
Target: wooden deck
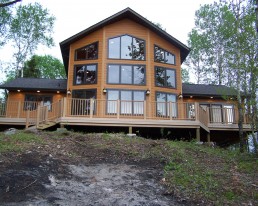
117	113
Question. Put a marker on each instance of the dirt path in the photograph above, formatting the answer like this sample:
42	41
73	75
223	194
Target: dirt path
43	176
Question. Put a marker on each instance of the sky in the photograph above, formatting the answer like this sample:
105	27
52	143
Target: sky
73	16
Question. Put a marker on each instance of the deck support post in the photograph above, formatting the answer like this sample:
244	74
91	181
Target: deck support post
130	130
198	135
208	137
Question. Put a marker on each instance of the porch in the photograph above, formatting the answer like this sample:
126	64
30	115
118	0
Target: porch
95	112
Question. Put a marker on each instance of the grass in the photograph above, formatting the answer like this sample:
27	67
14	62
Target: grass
215	176
200	174
17	141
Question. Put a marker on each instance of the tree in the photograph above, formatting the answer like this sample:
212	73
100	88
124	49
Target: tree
185	75
224	41
25	28
44	67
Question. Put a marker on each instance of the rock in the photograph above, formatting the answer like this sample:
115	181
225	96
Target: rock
10	131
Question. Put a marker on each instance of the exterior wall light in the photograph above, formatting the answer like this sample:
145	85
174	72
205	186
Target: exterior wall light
147	91
69	92
38	91
180	96
104	90
18	90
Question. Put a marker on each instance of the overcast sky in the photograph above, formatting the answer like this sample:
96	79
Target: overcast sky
73	16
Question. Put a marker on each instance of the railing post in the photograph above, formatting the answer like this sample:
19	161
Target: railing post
38	116
27	119
170	110
118	108
46	113
19	109
91	107
64	107
144	109
196	108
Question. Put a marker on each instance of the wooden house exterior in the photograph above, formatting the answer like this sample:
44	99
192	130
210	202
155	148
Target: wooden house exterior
122	71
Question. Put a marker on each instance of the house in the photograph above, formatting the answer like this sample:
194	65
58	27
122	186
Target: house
126	72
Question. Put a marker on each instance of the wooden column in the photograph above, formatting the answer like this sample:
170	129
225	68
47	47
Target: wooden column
208	137
130	130
198	135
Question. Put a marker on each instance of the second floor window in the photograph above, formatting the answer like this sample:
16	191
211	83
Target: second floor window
85	74
126	74
126	47
163	56
87	52
165	77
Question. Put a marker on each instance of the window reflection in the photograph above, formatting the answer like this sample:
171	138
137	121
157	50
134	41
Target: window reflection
126	74
163	56
126	47
86	74
165	77
87	52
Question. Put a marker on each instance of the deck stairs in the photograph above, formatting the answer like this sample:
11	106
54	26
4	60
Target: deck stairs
46	125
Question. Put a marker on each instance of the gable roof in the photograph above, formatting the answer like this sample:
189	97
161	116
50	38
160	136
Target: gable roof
29	84
126	13
207	90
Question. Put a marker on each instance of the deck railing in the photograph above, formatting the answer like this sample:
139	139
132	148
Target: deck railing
94	108
129	109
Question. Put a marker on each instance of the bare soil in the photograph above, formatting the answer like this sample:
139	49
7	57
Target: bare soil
79	170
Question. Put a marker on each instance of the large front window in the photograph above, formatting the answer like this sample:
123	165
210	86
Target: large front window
87	52
163	56
85	74
166	104
126	74
131	102
126	47
165	77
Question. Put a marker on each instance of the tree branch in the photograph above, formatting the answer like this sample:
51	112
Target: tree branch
9	3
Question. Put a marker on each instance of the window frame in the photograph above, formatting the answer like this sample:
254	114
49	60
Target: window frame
163	62
120	74
165	86
30	105
75	52
120	48
132	103
85	76
167	112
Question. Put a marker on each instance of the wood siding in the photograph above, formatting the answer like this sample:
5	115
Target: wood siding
123	27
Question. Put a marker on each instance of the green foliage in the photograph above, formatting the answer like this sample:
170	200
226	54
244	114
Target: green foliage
185	75
44	67
26	27
17	141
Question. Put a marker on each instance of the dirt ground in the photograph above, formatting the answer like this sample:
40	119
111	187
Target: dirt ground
79	171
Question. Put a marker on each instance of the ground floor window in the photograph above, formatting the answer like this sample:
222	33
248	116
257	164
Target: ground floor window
131	101
32	101
80	104
166	104
220	113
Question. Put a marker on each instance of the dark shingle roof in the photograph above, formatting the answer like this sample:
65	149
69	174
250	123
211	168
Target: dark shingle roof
36	84
207	90
126	13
